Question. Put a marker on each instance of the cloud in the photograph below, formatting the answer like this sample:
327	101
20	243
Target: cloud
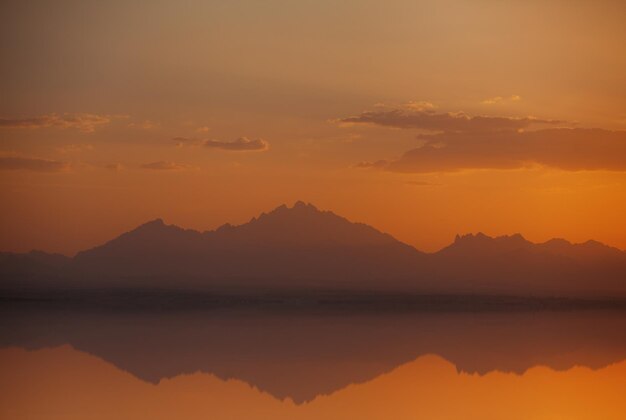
411	105
460	141
367	164
31	164
164	166
499	100
84	122
144	125
562	148
184	141
242	144
443	122
419	106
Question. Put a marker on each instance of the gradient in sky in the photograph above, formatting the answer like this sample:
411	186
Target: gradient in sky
423	119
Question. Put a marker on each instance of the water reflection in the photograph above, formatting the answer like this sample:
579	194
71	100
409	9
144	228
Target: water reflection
258	364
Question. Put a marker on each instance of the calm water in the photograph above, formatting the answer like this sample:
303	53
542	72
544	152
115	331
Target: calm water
89	363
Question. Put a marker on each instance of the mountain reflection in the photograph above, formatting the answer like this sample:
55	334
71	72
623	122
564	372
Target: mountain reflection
68	384
302	356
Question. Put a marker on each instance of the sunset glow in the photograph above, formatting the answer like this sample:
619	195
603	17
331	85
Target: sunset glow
208	113
313	209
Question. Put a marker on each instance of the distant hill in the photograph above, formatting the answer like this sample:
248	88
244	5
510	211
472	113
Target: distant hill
301	247
512	265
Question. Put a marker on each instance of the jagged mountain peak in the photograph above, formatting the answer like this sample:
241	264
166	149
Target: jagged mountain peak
477	244
299	208
153	227
480	237
305	224
152	224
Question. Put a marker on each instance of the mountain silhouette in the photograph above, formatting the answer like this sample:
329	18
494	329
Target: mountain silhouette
301	248
286	248
513	265
482	245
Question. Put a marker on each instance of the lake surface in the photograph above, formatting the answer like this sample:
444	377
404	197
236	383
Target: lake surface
80	362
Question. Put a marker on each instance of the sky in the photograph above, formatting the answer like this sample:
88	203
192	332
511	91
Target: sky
422	119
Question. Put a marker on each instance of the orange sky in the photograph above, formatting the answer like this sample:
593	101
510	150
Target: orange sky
411	116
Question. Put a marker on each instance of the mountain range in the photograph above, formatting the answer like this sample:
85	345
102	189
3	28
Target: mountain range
302	248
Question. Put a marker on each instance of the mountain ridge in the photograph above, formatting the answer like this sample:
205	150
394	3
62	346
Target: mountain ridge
160	223
304	247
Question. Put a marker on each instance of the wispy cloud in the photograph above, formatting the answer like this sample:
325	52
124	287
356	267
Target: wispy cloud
187	141
566	149
379	164
144	125
430	120
501	100
87	123
242	144
15	163
164	166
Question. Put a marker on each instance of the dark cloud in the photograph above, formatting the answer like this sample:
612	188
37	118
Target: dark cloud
83	122
242	144
164	166
563	148
461	142
426	119
31	164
